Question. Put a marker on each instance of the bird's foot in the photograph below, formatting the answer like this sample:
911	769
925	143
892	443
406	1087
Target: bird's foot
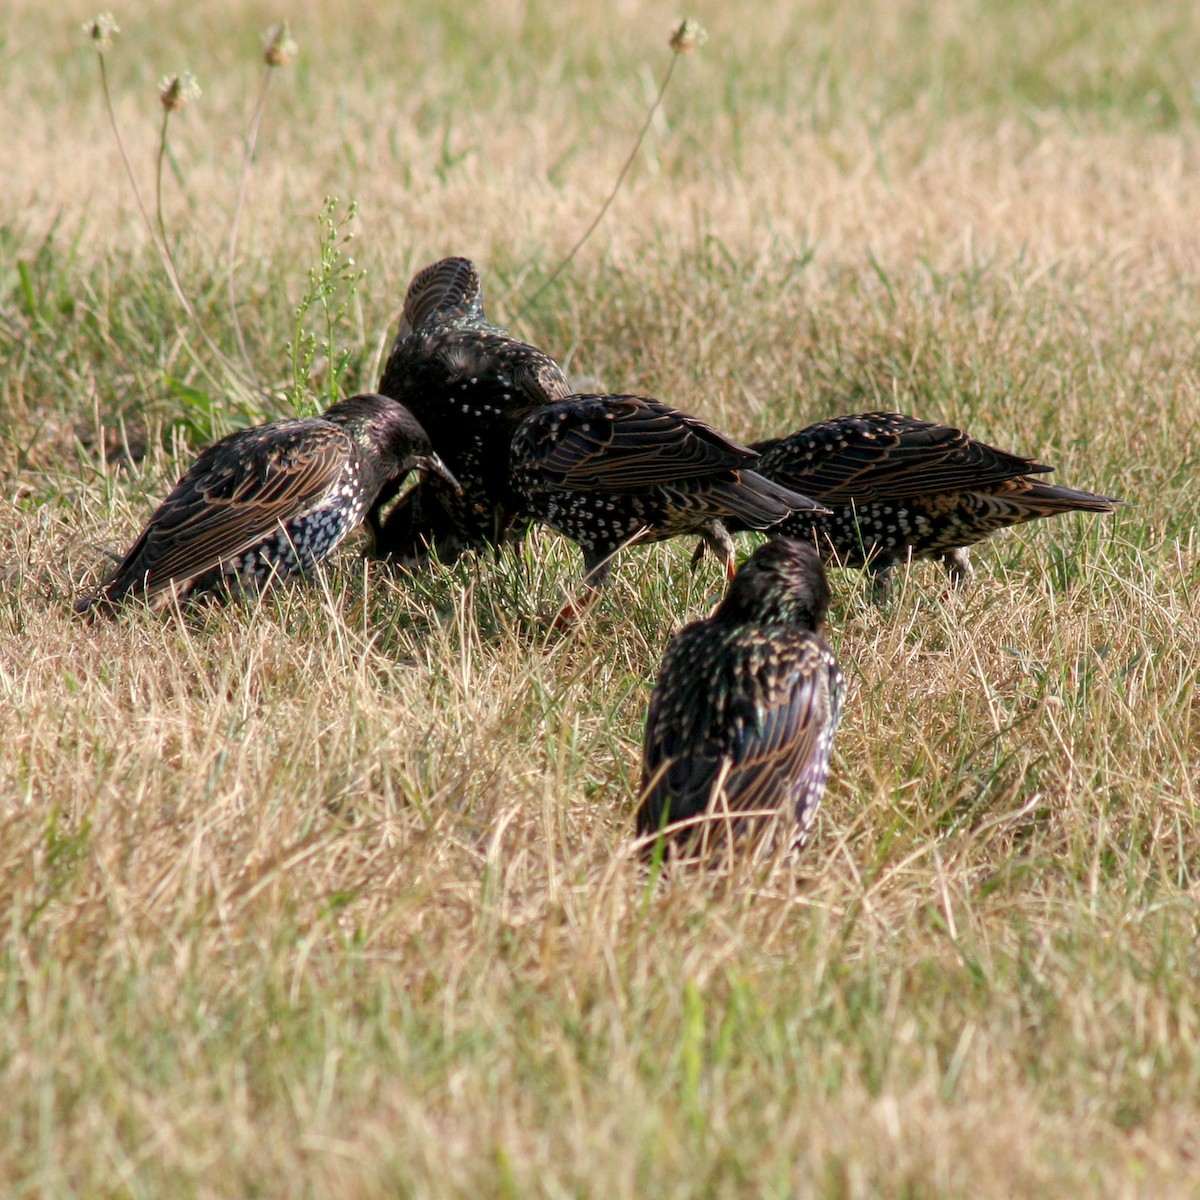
957	564
881	584
569	616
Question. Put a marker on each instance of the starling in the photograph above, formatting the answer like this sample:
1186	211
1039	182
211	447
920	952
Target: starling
901	489
743	714
469	382
606	470
270	502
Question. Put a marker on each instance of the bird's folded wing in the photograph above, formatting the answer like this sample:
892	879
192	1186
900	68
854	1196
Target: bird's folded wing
888	456
619	443
774	737
791	740
224	504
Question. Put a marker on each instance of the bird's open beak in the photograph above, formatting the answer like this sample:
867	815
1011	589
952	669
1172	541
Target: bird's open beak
431	462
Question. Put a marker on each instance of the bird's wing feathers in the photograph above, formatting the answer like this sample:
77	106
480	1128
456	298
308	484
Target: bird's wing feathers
227	502
618	443
787	746
773	739
539	379
887	456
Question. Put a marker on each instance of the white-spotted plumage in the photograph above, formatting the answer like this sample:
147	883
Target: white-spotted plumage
604	469
469	382
899	489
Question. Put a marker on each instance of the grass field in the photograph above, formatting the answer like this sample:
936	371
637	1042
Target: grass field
332	897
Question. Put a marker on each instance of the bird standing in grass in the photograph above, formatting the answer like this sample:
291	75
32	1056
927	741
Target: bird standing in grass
468	381
268	503
743	714
900	489
607	470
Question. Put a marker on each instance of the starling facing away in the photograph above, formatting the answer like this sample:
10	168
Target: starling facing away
268	503
743	714
903	489
606	470
468	382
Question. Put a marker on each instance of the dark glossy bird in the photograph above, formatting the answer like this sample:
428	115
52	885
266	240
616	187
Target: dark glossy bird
900	489
743	714
268	503
469	382
606	470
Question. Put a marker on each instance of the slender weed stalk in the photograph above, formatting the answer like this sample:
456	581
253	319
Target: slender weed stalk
687	36
100	30
279	49
174	93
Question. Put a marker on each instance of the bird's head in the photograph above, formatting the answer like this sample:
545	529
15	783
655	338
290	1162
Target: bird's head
782	583
395	437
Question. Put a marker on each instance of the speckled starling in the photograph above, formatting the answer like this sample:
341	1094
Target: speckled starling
268	503
468	382
743	714
606	470
902	489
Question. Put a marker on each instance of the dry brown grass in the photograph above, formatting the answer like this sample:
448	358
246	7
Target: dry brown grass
332	897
